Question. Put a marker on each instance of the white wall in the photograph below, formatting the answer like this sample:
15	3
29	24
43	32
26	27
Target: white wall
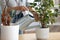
30	1
56	2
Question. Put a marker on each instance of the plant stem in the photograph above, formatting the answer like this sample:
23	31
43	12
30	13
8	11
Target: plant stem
43	25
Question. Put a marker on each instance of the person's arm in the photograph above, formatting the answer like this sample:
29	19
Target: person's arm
22	8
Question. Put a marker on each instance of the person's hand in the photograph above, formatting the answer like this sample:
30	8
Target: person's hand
34	13
30	9
23	8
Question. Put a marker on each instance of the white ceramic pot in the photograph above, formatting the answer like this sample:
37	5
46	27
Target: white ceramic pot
42	33
10	32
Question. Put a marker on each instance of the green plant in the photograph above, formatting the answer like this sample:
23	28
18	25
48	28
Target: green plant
59	5
44	10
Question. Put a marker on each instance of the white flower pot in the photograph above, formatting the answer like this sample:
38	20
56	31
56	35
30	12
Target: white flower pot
10	32
42	33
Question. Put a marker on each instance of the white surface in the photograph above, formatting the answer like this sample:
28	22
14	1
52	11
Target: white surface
30	1
9	32
32	36
42	33
12	3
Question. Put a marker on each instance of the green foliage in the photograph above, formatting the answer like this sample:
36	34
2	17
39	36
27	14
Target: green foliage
0	2
33	4
59	5
12	13
44	11
37	0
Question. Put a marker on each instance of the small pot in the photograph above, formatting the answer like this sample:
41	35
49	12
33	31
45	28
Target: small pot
10	32
42	33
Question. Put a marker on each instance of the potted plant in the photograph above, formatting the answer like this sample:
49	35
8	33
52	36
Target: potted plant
9	31
46	16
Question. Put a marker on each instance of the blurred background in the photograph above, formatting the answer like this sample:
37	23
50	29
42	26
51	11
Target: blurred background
54	28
